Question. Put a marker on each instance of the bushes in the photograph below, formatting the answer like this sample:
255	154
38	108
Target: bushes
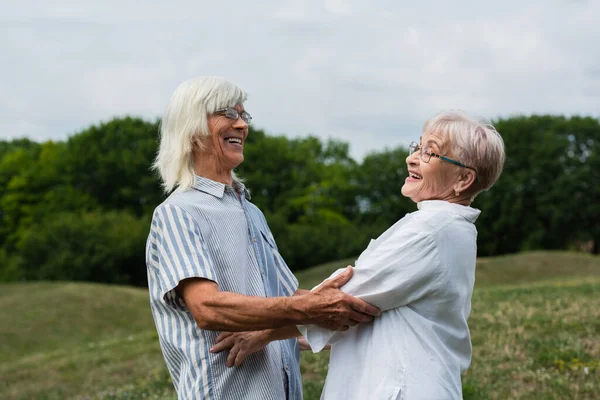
91	246
80	209
305	245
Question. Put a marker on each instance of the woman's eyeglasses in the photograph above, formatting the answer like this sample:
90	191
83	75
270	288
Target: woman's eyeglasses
426	155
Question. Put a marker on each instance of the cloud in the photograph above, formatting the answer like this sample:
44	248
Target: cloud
361	72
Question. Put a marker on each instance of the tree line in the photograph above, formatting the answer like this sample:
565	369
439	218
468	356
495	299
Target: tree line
80	209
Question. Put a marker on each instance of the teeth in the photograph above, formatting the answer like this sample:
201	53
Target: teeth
235	140
415	176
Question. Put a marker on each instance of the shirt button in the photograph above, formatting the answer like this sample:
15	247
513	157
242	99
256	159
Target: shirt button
287	366
254	239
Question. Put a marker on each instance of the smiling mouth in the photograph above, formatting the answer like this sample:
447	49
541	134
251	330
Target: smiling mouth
234	140
415	176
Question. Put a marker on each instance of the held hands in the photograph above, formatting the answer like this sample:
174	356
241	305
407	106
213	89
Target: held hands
325	306
330	308
240	345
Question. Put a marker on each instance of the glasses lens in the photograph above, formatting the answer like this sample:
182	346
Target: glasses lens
413	147
425	154
246	117
231	113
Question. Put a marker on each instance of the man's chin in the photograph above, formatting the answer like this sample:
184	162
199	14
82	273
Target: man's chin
236	160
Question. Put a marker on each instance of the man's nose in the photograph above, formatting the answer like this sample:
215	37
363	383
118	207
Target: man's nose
240	123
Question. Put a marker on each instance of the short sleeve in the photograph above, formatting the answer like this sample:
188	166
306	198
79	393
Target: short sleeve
181	251
399	271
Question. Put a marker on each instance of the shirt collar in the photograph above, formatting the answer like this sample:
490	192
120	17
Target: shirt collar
467	212
217	189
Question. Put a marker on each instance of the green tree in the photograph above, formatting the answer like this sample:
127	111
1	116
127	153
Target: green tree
546	197
20	187
380	178
90	246
80	209
308	193
111	163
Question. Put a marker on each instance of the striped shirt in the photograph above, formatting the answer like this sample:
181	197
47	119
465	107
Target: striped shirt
212	232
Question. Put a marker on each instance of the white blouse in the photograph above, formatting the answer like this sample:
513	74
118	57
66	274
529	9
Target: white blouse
420	273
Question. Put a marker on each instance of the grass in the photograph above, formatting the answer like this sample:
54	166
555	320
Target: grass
59	340
41	316
537	341
520	268
535	328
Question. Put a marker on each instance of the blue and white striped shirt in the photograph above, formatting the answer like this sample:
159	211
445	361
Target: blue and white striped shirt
215	233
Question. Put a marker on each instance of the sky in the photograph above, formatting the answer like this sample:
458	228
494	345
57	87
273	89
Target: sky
365	72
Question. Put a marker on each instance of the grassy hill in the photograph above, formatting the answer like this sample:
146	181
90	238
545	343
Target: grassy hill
520	268
535	327
59	340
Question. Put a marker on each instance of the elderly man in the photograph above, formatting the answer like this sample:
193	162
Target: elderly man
213	264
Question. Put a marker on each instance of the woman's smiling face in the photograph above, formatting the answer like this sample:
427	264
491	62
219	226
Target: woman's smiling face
433	180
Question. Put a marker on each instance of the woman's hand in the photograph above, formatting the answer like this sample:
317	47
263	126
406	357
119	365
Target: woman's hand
240	345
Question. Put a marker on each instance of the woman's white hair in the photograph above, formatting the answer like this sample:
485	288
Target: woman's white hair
472	141
185	120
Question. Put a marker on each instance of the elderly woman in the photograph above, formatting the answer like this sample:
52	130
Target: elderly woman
420	273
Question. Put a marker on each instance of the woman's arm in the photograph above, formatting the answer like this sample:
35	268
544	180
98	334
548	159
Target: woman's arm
399	271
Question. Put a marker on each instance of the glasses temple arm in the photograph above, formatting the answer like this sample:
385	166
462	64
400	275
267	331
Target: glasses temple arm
460	165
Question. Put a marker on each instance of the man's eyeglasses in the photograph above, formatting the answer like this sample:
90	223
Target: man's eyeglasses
426	155
232	113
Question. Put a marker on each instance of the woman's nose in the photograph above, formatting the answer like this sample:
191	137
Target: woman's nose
413	158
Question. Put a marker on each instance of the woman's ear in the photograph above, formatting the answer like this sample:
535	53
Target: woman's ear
465	181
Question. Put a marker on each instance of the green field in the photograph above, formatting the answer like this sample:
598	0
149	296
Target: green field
535	327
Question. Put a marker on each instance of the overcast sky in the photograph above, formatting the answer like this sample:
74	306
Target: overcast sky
366	72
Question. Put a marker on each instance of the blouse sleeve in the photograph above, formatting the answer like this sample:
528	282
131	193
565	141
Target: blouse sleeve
399	271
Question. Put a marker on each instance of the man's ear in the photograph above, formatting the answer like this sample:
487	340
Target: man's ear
198	144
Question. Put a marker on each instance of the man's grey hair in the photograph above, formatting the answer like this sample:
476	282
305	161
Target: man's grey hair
185	121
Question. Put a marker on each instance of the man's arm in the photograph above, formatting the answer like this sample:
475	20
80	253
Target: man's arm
326	306
242	344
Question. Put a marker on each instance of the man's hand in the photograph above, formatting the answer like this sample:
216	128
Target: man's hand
330	308
240	345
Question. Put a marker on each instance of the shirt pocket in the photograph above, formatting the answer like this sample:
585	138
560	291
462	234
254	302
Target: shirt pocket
268	237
